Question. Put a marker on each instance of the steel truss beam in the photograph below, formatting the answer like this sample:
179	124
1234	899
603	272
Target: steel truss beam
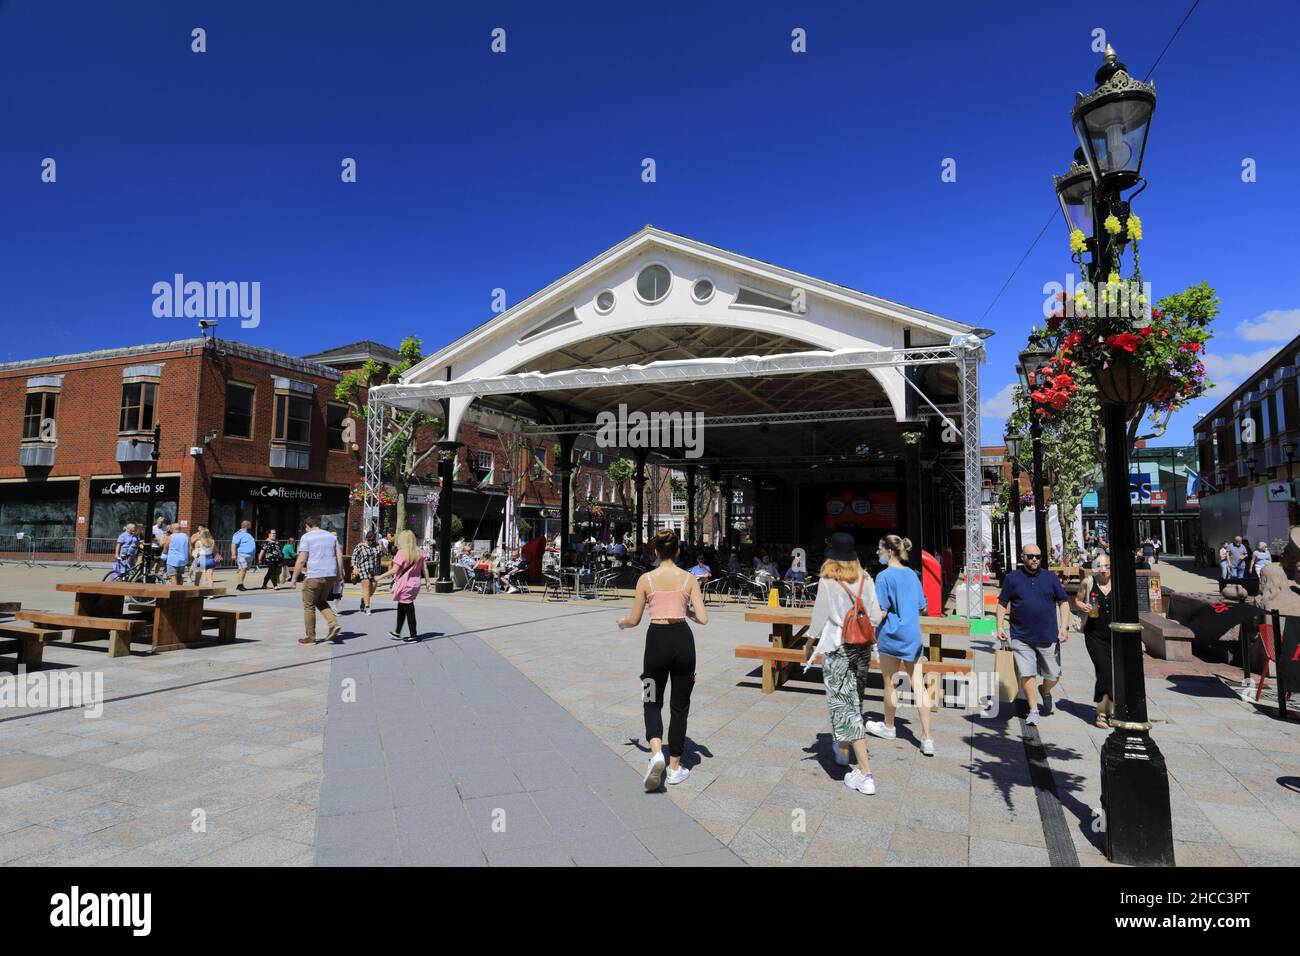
968	369
736	421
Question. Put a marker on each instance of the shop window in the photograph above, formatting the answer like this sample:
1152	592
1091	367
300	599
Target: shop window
334	415
483	462
292	419
138	402
239	411
40	408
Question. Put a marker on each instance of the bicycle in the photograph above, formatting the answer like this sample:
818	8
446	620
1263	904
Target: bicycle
141	572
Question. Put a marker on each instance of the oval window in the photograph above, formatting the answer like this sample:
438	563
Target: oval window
702	291
605	302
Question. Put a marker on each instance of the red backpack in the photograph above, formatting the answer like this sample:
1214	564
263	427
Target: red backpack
857	628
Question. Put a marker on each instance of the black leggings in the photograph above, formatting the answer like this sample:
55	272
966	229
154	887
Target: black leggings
1100	652
272	576
669	651
405	612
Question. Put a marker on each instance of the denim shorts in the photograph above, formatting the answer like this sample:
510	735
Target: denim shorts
175	569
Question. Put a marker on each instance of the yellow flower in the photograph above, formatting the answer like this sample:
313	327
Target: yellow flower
1077	242
1113	279
1112	225
1134	228
1081	300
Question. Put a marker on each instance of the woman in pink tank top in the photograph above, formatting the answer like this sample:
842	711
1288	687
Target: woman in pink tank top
673	595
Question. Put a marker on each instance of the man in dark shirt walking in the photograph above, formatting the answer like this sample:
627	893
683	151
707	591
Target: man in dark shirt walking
1040	615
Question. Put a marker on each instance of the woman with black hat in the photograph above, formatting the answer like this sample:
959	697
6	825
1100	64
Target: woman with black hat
844	586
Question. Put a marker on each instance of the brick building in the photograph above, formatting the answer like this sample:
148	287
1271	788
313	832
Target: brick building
245	433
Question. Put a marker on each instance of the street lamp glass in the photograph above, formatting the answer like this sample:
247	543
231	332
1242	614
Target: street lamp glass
1112	122
1074	193
1012	441
1030	359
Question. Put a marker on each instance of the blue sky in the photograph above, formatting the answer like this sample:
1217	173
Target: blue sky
478	171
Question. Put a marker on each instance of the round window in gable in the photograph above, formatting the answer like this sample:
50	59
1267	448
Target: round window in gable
605	302
702	291
652	283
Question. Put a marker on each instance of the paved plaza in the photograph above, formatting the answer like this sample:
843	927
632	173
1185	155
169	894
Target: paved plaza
512	735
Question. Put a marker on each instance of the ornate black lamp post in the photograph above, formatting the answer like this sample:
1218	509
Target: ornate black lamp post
1032	377
1112	124
1012	441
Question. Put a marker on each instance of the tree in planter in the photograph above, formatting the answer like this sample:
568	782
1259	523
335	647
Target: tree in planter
415	434
1071	452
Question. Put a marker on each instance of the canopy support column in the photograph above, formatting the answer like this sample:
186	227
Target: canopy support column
968	367
565	467
638	479
446	463
690	507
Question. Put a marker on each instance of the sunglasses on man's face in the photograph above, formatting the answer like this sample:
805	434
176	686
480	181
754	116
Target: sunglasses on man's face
1033	557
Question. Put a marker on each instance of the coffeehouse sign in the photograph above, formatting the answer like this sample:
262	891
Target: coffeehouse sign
280	491
129	489
134	489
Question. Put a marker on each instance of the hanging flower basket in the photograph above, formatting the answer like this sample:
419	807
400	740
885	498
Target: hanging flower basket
1124	381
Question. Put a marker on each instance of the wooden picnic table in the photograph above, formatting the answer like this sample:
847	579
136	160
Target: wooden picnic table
785	637
177	608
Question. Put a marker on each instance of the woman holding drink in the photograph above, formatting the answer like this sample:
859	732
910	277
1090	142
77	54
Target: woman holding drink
1092	600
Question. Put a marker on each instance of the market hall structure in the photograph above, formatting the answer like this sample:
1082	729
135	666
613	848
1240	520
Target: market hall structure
847	411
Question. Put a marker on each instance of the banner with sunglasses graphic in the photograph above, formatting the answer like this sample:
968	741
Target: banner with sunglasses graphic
879	509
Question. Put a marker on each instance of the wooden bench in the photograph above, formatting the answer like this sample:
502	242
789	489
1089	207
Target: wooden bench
27	642
119	630
225	620
783	635
772	656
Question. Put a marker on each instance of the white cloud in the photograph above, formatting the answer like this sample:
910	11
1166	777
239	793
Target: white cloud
1234	366
1275	325
1000	405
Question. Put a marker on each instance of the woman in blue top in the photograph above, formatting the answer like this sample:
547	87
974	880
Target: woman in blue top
898	639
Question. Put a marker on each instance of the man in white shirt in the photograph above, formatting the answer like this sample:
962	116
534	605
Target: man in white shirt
321	556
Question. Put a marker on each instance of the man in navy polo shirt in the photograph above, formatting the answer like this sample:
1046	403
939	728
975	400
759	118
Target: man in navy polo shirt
1040	615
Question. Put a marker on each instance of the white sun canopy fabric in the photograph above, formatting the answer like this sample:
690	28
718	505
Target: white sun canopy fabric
424	396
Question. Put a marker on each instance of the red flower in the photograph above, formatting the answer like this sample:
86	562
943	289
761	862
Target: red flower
1156	313
1127	341
1059	400
1146	332
1054	322
1192	347
1063	382
1071	340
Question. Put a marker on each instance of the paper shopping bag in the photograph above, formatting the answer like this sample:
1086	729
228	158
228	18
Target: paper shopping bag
1005	666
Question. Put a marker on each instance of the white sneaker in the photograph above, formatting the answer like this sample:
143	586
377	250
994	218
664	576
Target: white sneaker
877	728
367	609
861	782
654	771
927	747
841	753
678	775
